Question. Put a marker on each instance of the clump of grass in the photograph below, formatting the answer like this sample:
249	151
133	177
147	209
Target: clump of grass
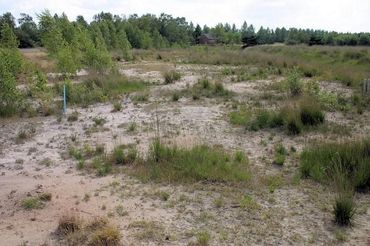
344	209
324	161
140	97
247	202
118	156
174	164
72	230
295	117
68	224
45	197
107	235
164	196
98	121
32	203
203	238
207	89
175	97
265	119
25	133
117	106
73	116
171	76
310	112
148	230
132	126
46	162
240	117
280	154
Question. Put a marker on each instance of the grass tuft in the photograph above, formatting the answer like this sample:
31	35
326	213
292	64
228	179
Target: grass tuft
200	163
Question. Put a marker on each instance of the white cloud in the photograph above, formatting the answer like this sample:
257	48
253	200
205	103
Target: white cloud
339	15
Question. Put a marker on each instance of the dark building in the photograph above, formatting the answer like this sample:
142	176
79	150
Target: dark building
207	39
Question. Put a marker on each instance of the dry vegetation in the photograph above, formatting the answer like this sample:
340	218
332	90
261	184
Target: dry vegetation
204	146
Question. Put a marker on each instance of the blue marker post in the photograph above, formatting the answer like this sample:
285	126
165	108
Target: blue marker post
64	99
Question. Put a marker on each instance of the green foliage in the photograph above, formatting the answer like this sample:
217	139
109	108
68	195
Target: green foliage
293	83
118	156
100	89
173	164
350	161
240	117
10	66
32	203
8	40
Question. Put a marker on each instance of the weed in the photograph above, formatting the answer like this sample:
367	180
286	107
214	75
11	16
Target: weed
203	238
148	230
98	121
132	127
107	235
117	106
175	97
68	224
73	116
171	76
164	196
118	156
120	210
32	203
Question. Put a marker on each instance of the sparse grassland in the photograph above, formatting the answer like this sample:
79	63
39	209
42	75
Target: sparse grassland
200	163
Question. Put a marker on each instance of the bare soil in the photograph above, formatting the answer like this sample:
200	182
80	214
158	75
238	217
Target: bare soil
283	211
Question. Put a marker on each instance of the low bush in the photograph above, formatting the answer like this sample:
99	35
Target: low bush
200	163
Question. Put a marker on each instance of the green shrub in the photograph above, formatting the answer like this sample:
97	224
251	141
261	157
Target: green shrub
173	164
171	76
293	83
344	209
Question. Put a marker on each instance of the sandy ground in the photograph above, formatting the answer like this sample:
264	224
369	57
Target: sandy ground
291	213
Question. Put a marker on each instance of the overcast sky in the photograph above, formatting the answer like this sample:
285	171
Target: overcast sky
336	15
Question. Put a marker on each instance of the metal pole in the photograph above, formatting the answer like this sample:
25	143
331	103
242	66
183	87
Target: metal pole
64	99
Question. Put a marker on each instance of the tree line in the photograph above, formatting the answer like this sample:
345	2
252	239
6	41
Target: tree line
164	31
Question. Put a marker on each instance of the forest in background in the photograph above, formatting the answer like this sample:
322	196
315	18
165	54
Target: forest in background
164	31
